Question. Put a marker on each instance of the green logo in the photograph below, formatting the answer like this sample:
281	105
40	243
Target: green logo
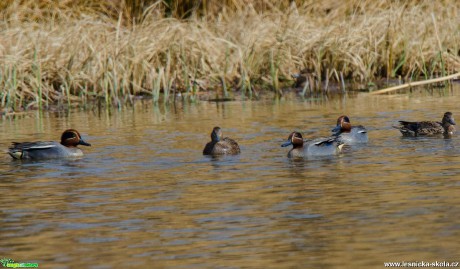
6	262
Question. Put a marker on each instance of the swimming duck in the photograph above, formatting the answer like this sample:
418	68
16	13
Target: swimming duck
428	128
70	139
349	134
314	147
219	145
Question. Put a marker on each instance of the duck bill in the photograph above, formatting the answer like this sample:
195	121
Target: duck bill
83	143
451	121
336	129
285	144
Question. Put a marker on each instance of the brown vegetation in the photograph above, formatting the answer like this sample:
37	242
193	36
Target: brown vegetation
74	51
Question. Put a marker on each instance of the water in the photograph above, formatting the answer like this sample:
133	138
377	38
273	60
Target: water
144	195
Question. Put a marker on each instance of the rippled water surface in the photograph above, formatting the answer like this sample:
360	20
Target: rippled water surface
143	195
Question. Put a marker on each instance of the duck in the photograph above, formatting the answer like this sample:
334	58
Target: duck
313	147
219	145
428	128
349	134
39	150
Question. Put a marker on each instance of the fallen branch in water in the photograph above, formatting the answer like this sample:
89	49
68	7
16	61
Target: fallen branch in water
416	83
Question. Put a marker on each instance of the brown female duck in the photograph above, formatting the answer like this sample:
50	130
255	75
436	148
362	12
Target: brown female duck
219	145
428	128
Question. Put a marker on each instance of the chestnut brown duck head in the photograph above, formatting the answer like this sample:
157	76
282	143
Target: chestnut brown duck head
349	134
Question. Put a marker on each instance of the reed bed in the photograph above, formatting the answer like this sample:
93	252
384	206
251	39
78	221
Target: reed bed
71	55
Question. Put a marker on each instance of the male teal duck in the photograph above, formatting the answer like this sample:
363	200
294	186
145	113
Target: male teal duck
349	134
70	139
219	145
428	128
314	147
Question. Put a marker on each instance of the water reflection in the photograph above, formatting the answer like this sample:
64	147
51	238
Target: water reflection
144	194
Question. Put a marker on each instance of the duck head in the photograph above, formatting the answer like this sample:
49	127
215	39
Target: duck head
448	124
216	134
448	119
295	139
343	125
72	138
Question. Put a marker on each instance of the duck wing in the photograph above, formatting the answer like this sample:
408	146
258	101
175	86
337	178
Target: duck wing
31	146
231	145
422	128
22	150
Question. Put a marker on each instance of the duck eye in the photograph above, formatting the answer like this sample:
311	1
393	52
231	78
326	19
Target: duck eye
296	136
69	135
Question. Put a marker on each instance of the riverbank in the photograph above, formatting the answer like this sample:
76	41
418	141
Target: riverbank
74	59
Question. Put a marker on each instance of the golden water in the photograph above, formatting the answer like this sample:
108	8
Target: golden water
144	195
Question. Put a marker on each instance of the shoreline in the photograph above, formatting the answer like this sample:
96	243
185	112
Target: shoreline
216	97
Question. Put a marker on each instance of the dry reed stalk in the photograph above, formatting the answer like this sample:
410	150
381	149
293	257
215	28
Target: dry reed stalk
258	44
416	83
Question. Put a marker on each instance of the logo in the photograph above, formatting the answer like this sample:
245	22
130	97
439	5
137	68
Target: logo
10	263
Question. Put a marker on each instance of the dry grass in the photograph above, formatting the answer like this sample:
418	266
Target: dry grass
66	57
